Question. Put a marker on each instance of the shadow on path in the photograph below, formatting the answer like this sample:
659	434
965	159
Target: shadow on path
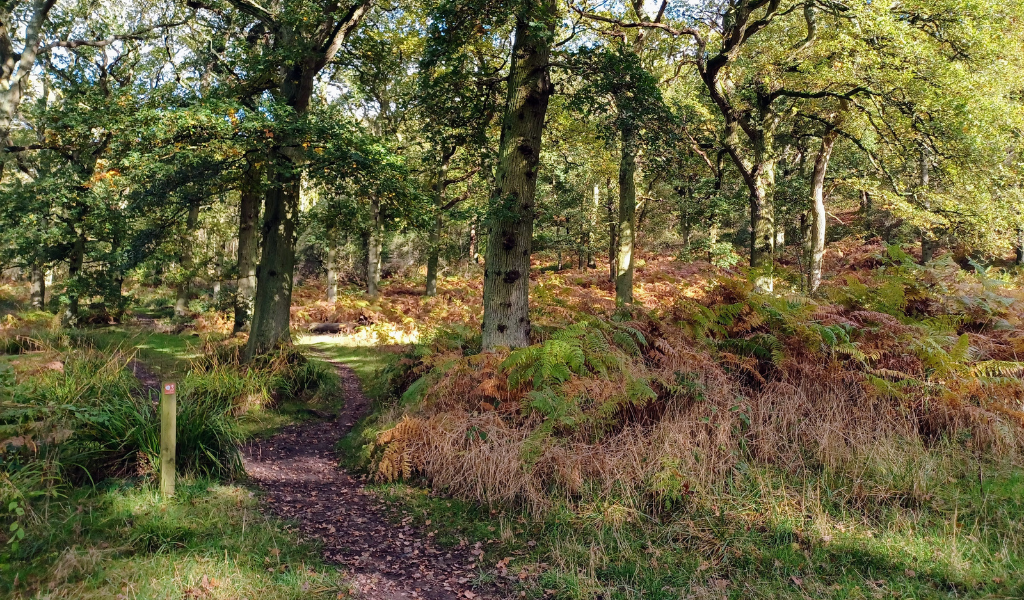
298	470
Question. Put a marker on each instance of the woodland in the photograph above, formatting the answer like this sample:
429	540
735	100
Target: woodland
512	298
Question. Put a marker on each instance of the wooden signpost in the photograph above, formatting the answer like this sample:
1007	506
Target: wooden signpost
168	430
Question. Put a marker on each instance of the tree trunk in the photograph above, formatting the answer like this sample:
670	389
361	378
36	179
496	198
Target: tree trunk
928	242
762	220
271	319
865	202
627	218
613	244
589	238
374	248
818	223
474	251
37	294
507	274
185	285
75	264
332	269
559	251
806	249
435	250
296	82
248	217
1020	245
440	186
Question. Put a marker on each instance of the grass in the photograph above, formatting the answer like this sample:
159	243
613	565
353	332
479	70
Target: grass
755	539
365	360
120	540
167	354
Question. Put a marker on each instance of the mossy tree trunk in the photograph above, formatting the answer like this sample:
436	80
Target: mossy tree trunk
37	293
627	218
510	222
248	218
309	45
271	317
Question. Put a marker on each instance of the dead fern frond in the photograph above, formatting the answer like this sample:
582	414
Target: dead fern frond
395	461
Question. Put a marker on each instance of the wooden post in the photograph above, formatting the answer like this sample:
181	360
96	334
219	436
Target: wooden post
168	431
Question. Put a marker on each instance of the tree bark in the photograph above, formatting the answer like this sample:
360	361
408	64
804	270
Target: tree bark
928	242
589	238
818	223
627	218
185	285
75	264
613	243
1020	245
271	319
762	219
332	269
374	248
248	217
506	319
865	202
474	251
806	249
313	44
37	294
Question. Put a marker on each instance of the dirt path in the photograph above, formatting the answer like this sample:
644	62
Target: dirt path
297	469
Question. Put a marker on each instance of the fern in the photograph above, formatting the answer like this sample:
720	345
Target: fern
395	461
998	368
582	348
763	346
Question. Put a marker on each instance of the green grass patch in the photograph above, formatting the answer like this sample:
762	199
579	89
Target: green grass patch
121	540
167	354
364	360
758	537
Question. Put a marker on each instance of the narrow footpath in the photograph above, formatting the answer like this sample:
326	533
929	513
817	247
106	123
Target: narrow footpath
298	470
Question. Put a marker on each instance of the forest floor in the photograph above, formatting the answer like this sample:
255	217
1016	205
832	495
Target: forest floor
297	469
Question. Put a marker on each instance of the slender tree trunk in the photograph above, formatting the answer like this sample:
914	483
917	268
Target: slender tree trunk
1020	245
374	249
248	217
37	295
613	244
928	242
558	241
627	218
818	223
271	319
440	187
589	238
507	274
806	249
474	250
332	269
185	285
865	202
433	258
75	264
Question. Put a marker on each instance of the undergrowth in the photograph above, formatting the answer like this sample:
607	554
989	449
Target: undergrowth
881	410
